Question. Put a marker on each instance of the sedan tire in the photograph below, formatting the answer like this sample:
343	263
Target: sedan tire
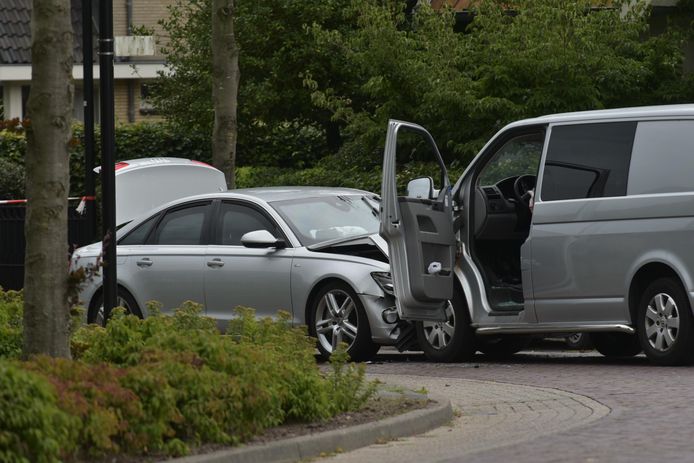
95	314
452	340
337	315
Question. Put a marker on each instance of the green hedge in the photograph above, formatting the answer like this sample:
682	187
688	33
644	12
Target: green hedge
161	385
332	172
287	145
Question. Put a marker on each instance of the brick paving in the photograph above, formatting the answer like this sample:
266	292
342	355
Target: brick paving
646	416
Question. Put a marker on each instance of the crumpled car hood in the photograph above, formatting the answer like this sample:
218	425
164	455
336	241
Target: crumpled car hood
369	246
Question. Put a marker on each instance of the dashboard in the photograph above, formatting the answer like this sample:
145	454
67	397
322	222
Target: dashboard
497	213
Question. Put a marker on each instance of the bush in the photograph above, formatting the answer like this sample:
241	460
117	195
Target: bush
32	427
11	304
334	172
225	388
164	383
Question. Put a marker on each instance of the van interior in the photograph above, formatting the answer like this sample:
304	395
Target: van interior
501	215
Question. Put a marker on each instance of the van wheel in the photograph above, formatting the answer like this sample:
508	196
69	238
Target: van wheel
665	324
578	341
337	315
616	344
452	340
502	347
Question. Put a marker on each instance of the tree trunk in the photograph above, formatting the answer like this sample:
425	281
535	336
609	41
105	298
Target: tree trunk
46	311
225	86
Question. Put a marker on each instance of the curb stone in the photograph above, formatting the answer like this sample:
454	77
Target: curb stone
344	439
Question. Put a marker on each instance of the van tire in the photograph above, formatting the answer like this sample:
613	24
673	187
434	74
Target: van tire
462	346
681	351
503	347
613	345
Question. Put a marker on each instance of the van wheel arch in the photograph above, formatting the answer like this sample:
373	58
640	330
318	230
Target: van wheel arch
643	278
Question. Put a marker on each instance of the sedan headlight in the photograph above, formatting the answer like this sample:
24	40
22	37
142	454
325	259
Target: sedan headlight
385	281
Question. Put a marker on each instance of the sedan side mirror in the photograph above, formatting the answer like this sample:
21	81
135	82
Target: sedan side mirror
262	239
421	188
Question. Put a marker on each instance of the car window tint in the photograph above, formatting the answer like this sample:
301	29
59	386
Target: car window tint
139	234
236	220
588	161
182	226
663	158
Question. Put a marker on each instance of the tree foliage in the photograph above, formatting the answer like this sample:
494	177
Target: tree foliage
344	67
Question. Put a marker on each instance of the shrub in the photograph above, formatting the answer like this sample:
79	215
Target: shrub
11	180
161	384
32	428
11	310
108	412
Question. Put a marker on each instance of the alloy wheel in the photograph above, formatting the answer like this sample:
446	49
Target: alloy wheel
662	322
337	320
440	334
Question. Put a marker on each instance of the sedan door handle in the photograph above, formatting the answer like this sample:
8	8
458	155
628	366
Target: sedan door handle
144	262
217	262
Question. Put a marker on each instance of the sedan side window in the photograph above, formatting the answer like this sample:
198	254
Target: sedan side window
182	226
140	233
235	220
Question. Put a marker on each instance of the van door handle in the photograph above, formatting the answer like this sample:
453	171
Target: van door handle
216	262
144	262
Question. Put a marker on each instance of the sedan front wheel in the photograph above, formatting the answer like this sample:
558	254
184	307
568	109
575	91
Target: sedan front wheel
338	316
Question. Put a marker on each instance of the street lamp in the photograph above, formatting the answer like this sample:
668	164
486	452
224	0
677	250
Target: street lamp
108	142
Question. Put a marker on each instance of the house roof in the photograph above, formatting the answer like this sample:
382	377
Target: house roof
15	31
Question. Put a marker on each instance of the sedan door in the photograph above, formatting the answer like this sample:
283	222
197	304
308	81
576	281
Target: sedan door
418	229
168	268
258	278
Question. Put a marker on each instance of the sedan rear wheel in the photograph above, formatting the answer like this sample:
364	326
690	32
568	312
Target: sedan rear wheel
95	315
338	316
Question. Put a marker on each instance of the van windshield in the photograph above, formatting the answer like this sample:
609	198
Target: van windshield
519	156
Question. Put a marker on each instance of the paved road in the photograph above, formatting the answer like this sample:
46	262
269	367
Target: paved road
602	410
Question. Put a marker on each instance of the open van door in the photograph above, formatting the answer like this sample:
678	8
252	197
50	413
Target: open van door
418	226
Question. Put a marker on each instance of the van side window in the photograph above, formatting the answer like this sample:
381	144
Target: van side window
588	161
663	158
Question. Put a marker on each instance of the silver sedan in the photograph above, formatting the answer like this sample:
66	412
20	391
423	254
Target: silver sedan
314	252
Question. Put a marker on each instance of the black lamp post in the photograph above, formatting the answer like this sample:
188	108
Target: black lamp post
88	91
108	172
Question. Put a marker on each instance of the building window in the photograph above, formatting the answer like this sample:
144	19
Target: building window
146	106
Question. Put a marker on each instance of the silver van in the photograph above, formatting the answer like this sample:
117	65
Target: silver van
578	222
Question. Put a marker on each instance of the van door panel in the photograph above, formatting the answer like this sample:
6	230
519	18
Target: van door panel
420	237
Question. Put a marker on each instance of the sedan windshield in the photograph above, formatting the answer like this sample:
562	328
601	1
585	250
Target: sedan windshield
315	220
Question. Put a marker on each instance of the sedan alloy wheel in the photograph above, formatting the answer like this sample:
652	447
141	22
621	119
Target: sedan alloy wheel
337	320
